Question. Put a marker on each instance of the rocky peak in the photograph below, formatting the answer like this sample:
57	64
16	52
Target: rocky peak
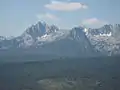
78	32
39	30
113	29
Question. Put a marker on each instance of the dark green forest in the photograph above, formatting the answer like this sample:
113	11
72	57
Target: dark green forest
98	73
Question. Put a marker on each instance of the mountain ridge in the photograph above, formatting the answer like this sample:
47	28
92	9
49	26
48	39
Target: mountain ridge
80	40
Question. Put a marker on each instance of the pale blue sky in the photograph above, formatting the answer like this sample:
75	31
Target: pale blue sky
17	15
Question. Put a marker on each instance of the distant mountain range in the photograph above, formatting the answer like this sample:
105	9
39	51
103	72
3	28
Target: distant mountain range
79	41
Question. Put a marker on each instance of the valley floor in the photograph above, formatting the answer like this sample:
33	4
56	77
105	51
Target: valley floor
68	74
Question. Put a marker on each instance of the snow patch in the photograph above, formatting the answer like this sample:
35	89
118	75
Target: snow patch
53	36
109	34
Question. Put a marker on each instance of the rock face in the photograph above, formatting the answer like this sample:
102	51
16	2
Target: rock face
78	41
29	37
105	39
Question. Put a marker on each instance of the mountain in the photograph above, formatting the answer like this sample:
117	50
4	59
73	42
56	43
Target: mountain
29	37
66	43
105	39
78	42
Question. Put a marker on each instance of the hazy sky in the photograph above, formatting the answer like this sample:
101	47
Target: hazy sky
17	15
